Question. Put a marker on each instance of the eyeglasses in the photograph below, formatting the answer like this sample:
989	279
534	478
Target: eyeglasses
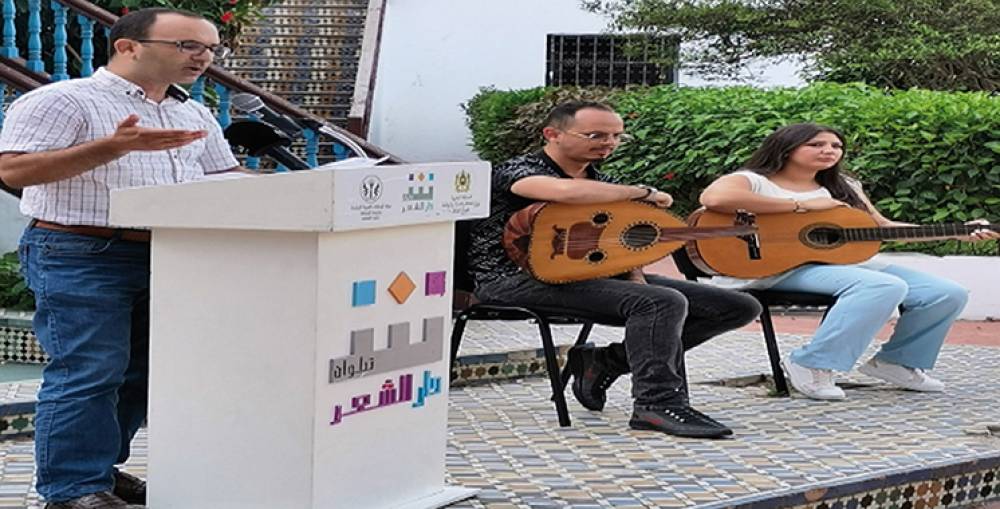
602	137
194	47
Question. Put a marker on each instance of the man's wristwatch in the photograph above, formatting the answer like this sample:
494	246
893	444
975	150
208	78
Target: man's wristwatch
649	191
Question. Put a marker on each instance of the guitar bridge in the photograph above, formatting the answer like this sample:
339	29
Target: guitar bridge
745	218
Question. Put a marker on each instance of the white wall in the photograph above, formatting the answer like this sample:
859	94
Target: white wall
436	54
12	223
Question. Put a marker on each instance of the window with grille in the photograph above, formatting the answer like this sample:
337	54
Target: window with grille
608	60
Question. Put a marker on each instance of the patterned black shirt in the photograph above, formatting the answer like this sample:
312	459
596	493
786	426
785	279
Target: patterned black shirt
488	261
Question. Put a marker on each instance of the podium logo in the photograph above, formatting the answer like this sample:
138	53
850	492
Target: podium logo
371	189
390	394
400	353
463	182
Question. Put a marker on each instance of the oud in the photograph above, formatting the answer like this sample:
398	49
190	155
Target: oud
561	243
842	235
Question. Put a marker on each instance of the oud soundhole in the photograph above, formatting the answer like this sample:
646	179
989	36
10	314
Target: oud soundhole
824	237
640	236
596	256
601	219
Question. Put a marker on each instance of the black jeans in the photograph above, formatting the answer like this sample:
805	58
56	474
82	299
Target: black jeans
662	320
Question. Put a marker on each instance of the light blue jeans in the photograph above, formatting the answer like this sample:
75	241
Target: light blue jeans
92	318
866	299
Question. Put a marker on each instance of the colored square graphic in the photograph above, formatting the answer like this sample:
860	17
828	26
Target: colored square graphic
363	293
401	287
434	283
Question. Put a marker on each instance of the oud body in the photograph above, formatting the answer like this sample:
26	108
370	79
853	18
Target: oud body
561	243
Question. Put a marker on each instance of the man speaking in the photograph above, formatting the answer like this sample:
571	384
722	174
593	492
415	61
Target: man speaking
68	145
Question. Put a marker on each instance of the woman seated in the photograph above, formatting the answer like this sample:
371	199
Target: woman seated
798	168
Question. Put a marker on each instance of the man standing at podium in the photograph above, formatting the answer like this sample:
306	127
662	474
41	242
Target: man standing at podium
68	145
663	317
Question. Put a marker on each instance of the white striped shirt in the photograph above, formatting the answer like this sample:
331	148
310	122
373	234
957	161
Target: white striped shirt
72	112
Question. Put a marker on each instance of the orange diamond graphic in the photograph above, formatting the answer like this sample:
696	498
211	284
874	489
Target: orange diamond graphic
401	287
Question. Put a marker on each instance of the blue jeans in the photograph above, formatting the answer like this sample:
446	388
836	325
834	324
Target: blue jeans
866	299
92	319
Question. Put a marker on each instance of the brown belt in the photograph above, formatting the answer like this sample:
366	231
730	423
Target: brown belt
95	231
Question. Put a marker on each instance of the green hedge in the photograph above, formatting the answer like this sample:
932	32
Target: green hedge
14	293
924	156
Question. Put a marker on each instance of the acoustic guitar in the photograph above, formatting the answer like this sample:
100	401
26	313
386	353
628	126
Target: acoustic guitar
561	243
783	241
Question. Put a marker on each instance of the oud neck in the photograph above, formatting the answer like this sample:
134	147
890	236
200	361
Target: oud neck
915	232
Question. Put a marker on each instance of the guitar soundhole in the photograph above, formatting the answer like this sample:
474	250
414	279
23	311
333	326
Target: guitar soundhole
824	237
601	219
596	256
640	236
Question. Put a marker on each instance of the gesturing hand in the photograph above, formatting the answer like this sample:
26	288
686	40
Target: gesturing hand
129	136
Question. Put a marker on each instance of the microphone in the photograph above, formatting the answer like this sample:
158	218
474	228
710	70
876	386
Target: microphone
262	139
249	103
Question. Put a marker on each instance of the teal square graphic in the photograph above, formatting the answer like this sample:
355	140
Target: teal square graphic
364	293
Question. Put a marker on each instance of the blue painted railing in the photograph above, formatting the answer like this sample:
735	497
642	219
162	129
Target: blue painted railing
87	17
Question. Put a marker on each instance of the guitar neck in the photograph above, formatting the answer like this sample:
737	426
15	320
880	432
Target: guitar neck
915	232
669	234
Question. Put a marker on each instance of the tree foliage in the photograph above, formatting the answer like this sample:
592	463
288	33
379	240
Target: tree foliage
934	44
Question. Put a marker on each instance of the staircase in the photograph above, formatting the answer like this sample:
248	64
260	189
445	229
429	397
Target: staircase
308	52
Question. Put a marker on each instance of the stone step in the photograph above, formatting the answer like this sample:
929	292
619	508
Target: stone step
271	75
317	12
283	19
325	3
314	54
328	35
293	40
311	87
298	52
342	67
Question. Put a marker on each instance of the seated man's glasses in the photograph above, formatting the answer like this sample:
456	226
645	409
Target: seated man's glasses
194	47
602	137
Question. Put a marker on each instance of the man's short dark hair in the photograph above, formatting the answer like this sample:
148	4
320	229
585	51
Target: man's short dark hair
563	114
135	25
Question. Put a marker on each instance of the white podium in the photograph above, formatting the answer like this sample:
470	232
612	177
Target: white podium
298	335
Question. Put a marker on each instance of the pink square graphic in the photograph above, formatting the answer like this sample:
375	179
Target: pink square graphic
434	283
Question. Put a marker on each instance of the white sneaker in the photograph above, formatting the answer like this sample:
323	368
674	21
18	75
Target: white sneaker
908	378
813	383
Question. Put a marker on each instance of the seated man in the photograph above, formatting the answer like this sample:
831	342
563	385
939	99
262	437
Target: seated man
663	316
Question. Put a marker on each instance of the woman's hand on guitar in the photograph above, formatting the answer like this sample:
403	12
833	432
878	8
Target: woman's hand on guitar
821	204
984	234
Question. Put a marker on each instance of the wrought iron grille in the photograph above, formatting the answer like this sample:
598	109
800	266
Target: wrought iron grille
607	60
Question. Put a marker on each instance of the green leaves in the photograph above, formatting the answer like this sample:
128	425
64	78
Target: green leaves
923	156
14	293
937	44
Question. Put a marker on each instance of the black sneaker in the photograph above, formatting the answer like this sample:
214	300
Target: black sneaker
129	488
591	376
679	420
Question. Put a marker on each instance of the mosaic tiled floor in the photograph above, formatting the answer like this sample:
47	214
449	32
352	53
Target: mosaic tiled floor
505	440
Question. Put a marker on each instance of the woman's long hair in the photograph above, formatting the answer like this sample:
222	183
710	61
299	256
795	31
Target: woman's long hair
773	154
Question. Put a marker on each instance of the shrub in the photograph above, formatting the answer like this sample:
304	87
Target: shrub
14	293
925	157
